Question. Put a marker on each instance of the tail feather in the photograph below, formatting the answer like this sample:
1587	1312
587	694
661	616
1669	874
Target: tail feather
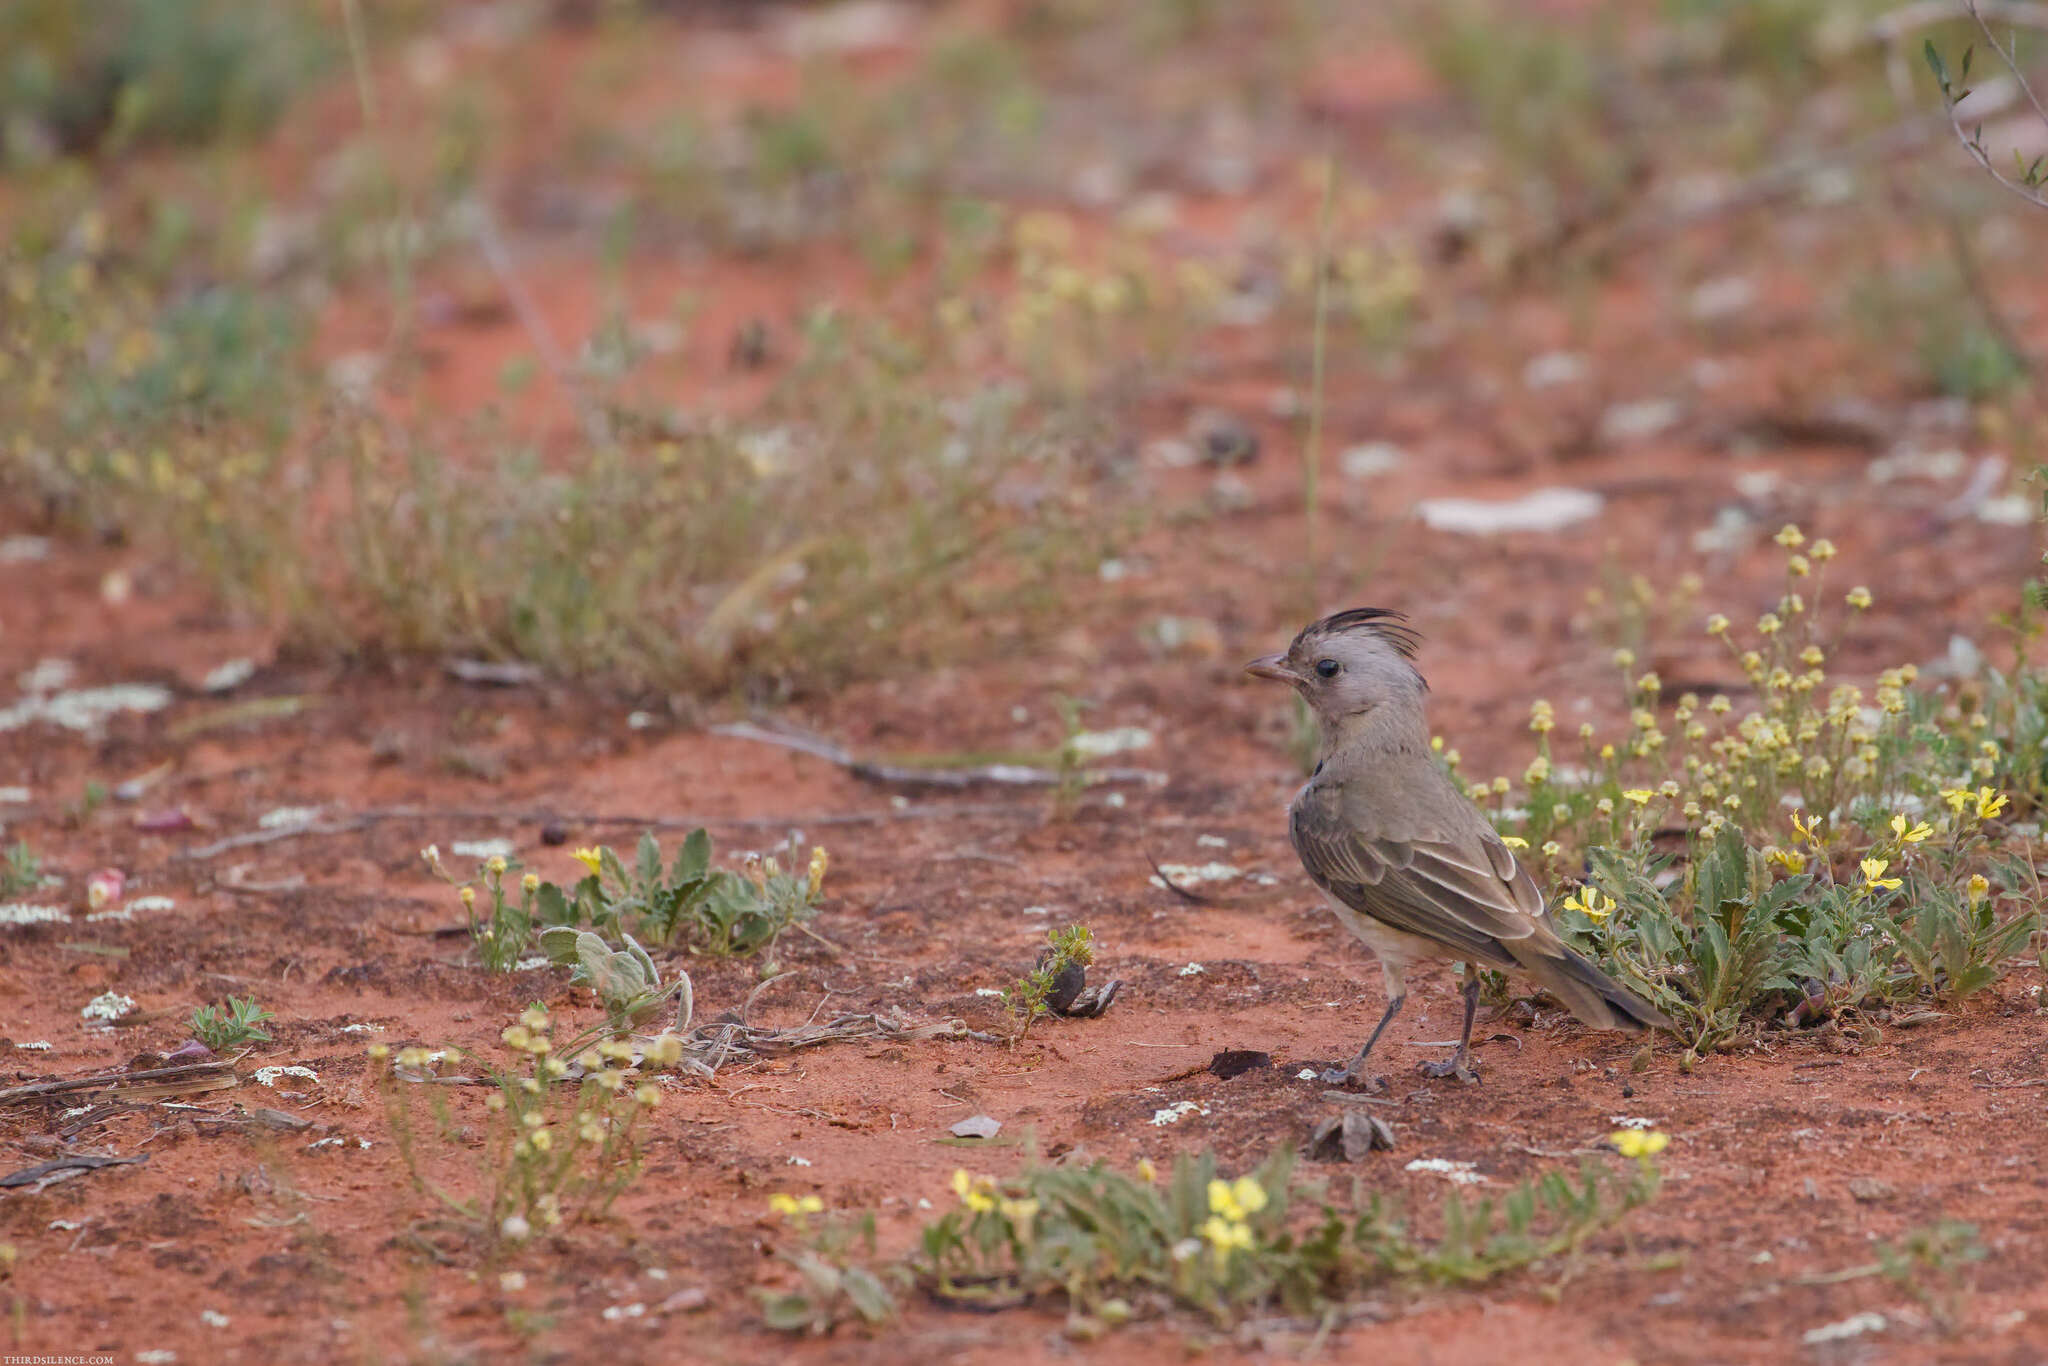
1590	994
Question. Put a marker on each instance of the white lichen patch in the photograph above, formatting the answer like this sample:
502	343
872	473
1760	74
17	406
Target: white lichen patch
1176	1112
14	796
278	818
37	1046
1097	744
1540	511
270	1076
1458	1173
1212	841
87	708
1631	1122
1195	872
1855	1326
108	1006
1193	970
482	849
229	676
24	913
988	991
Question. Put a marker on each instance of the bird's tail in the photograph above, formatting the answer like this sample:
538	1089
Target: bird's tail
1590	994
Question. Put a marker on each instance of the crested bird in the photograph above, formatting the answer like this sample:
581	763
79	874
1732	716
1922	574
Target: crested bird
1410	866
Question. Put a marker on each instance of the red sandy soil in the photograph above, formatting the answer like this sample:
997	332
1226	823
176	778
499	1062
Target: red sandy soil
1789	1159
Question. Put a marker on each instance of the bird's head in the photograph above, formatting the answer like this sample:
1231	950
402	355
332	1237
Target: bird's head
1350	663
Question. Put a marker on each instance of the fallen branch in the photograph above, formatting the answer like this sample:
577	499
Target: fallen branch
151	1083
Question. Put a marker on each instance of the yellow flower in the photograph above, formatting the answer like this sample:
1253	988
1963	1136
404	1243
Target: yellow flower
1236	1199
790	1206
974	1192
648	1095
1859	598
819	860
1590	902
1956	797
1019	1212
1624	658
1639	795
541	1139
1799	565
534	1017
379	1052
468	895
666	1051
496	865
1226	1237
1989	803
1823	550
1551	848
1768	624
1911	834
1792	861
1649	682
1805	829
1639	1143
1790	537
1514	841
589	858
530	883
1873	874
1717	625
1146	1170
1979	887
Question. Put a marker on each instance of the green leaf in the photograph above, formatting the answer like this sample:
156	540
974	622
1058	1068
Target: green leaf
693	860
648	872
560	944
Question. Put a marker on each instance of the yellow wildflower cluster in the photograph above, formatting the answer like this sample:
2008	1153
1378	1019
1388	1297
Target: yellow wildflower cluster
1641	1144
981	1195
1231	1205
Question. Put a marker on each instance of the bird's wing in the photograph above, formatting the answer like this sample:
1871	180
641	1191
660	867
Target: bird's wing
1463	890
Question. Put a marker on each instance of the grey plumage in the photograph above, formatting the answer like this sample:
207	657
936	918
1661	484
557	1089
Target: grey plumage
1407	862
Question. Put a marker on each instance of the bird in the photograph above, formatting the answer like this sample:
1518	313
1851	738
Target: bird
1410	866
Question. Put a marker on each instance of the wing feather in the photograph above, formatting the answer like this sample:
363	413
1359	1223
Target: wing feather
1468	896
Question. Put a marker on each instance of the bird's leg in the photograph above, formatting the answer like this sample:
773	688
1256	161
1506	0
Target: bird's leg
1355	1069
1458	1066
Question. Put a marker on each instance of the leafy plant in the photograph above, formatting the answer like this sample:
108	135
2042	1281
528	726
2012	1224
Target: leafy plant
563	1142
20	871
625	980
834	1285
241	1023
1114	1246
686	903
1027	1002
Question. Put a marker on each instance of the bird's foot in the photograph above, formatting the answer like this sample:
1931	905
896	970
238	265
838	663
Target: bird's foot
1353	1075
1458	1065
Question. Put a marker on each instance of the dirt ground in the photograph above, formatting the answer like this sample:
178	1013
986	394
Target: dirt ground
1789	1161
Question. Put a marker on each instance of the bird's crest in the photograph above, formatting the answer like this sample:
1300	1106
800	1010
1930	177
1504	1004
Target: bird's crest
1383	622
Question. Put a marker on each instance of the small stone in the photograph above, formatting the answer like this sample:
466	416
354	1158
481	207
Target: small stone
1223	439
977	1126
1869	1190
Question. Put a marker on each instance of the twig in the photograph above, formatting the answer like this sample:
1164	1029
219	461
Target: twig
1889	28
485	229
1004	775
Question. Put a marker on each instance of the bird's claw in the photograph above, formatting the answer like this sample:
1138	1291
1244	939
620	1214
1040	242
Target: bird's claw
1351	1076
1459	1067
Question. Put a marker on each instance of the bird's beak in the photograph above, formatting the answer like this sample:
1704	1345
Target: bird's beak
1273	667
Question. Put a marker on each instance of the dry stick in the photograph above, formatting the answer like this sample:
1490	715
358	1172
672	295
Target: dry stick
1889	28
1006	775
485	229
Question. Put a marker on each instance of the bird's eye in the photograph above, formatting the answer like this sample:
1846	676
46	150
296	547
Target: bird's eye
1327	667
